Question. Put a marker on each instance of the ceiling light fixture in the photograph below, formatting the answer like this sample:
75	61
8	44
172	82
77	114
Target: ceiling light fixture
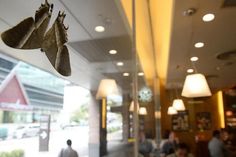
194	59
158	114
195	85
131	107
125	74
199	44
99	29
190	71
119	63
178	104
107	87
142	111
208	17
171	111
112	52
140	74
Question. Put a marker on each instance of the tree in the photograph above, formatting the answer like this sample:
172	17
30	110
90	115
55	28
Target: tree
80	115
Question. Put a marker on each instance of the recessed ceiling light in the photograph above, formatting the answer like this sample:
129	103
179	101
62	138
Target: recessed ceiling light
140	74
194	59
99	29
125	74
190	71
208	17
199	44
112	52
119	63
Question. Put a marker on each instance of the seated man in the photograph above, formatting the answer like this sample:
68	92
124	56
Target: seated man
216	146
145	146
181	150
169	145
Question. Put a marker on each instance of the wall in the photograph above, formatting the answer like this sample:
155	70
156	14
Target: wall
149	120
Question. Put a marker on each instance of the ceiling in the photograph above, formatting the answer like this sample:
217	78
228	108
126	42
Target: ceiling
165	39
218	35
89	50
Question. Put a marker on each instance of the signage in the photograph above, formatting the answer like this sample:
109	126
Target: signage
44	133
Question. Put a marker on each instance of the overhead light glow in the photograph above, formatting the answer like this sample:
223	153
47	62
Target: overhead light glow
125	74
178	104
199	44
112	52
158	114
171	111
208	17
194	59
131	107
229	113
195	85
99	29
119	63
142	111
190	71
140	74
107	87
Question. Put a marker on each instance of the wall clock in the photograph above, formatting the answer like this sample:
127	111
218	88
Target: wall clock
145	94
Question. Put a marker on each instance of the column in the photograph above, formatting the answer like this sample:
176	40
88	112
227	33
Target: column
94	127
157	109
103	126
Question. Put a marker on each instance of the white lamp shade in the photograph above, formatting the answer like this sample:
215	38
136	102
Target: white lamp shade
158	114
171	111
131	107
143	111
195	85
107	87
178	104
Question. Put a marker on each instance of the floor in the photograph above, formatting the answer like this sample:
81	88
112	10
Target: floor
119	149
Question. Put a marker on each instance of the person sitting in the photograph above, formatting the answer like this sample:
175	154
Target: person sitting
145	146
216	146
164	139
169	146
181	150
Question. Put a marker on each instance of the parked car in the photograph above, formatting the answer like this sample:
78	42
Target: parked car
3	133
23	131
69	125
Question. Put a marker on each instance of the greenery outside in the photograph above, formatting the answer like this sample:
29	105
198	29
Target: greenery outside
14	153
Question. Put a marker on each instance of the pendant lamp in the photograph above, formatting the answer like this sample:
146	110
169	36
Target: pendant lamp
158	114
178	104
131	107
107	87
171	111
142	111
195	85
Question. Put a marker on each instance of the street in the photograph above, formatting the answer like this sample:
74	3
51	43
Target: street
78	135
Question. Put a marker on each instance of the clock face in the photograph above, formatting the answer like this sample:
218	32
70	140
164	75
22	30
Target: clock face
145	95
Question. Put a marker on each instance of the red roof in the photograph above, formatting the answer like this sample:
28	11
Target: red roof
13	92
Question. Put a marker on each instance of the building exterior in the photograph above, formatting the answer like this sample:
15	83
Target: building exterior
43	91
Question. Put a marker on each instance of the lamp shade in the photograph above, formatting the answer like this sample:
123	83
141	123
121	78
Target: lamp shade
195	85
143	111
131	107
178	104
171	111
158	114
107	87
